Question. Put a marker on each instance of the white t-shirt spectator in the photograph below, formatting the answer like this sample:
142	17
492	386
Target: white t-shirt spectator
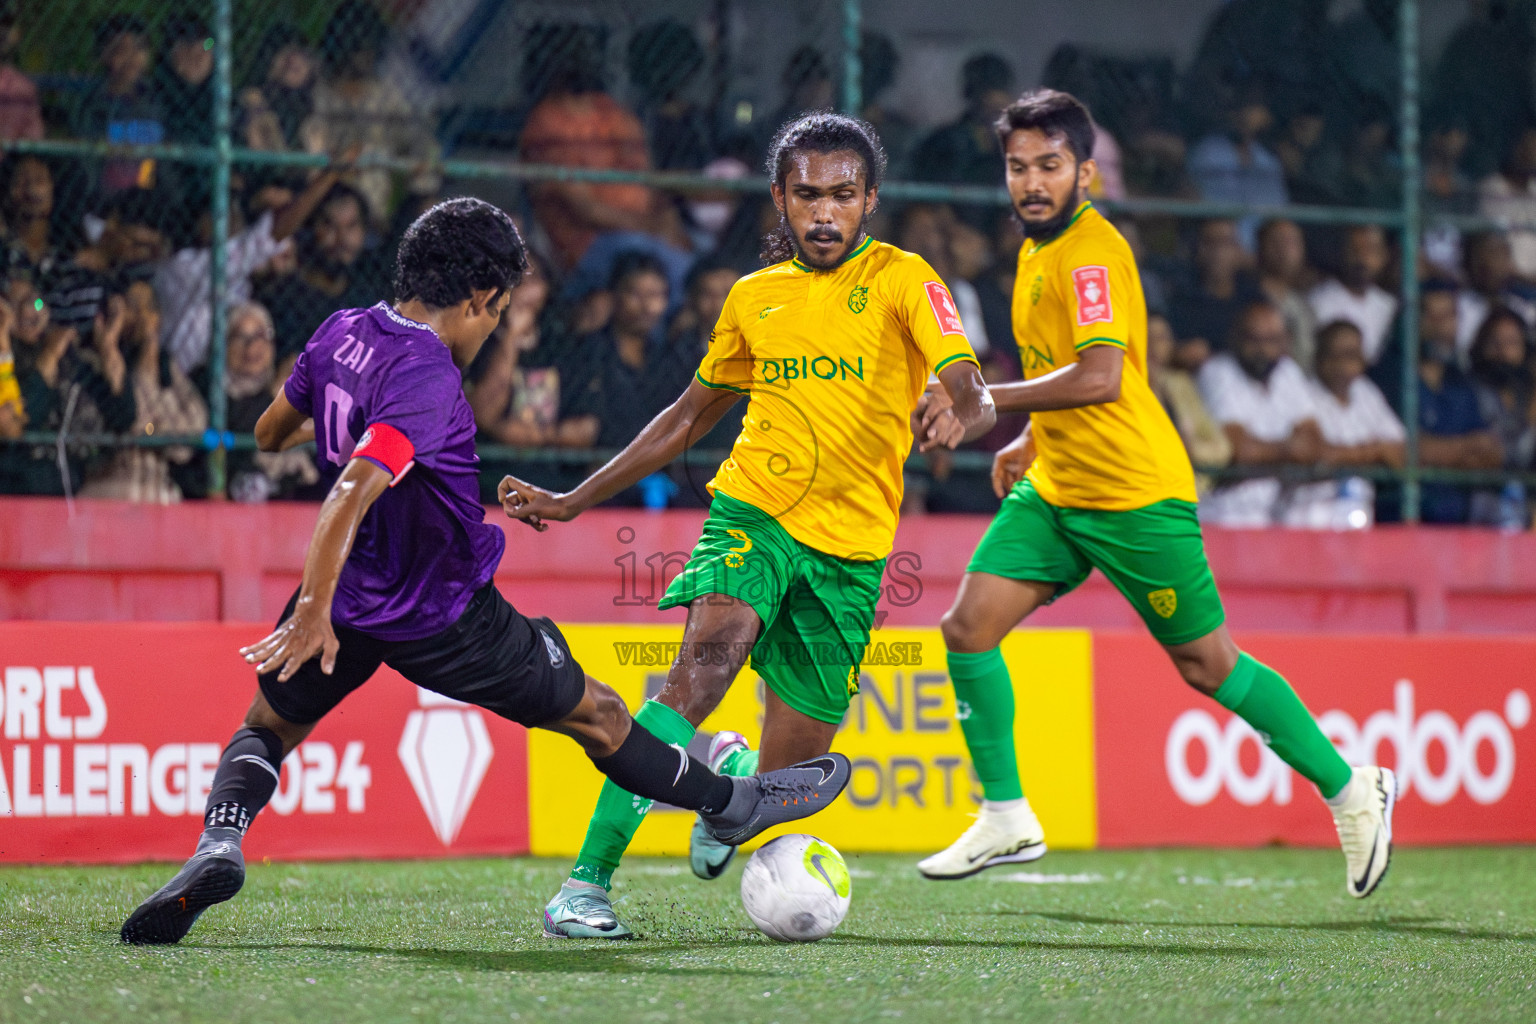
1372	312
1500	200
1472	308
1269	411
183	284
1344	504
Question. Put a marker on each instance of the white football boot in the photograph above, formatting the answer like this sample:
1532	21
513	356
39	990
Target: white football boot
1013	836
1364	821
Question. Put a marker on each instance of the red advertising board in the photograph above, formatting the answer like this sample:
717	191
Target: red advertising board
1451	715
110	734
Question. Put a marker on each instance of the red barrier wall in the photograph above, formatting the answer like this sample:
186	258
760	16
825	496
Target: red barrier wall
211	560
109	737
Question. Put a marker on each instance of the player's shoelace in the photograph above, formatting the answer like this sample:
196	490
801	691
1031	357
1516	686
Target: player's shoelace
789	792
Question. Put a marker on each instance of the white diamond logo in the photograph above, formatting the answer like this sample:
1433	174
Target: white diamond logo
445	750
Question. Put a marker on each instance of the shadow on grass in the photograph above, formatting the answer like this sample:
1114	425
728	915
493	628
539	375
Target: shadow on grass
605	958
1144	948
1424	926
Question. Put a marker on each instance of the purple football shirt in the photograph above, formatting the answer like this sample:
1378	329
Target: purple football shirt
388	386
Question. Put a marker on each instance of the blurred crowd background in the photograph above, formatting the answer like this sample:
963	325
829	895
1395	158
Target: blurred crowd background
1251	151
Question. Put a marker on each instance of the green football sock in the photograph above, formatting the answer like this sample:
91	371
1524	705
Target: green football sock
739	763
1262	698
984	706
619	812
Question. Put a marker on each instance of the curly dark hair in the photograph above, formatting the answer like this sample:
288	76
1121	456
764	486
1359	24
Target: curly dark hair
820	131
459	247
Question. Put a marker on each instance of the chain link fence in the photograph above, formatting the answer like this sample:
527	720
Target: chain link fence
271	153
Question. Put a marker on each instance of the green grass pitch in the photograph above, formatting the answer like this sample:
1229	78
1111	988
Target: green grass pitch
1175	935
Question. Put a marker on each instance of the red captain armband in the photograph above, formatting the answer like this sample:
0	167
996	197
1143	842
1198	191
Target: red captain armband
388	447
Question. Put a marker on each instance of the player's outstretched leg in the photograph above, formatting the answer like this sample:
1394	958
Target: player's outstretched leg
1006	830
1361	799
245	780
729	754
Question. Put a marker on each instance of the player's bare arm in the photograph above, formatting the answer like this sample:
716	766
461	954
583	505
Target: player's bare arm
1305	444
666	437
282	426
1012	461
1093	380
961	412
308	631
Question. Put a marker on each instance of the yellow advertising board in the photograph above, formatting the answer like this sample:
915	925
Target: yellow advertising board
912	788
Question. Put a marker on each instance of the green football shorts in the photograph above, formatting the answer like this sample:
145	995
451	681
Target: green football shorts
817	609
1153	555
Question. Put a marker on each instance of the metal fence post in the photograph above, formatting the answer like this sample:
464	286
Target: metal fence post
1408	141
223	39
853	68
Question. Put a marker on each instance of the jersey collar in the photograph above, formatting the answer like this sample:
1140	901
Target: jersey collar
389	311
1081	209
869	240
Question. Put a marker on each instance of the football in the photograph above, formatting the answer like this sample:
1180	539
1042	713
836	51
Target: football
796	889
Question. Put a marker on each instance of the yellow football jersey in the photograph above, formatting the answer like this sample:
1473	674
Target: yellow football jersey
1074	291
832	363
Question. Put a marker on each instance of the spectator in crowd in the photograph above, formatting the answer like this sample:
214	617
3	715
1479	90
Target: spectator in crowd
1207	444
626	373
1261	399
965	151
336	271
1311	165
122	107
29	320
72	388
808	85
1358	428
184	280
709	282
517	405
274	108
578	124
26	205
1203	310
1453	432
1509	197
1370	174
994	290
1485	70
13	415
183	80
878	64
354	106
250	383
664	59
21	117
1491	283
1355	295
1233	166
1506	391
132	241
1251	43
1447	188
711	216
165	402
1284	278
1154	287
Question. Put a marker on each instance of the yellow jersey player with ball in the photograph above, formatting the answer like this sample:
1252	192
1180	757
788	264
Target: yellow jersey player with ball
1099	479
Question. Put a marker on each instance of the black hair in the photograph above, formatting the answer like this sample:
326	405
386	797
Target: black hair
804	65
339	192
455	249
984	73
140	208
1248	309
354	27
1477	355
564	56
1057	115
631	262
1439	286
704	266
821	131
1326	333
663	57
180	27
119	25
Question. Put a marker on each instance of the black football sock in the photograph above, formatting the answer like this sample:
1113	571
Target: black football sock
245	780
649	768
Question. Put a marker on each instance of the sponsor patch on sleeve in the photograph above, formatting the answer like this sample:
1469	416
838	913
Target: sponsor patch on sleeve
1093	302
388	447
944	310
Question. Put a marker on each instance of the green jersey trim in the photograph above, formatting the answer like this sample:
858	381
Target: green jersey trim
719	387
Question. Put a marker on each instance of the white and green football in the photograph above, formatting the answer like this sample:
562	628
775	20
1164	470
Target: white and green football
796	889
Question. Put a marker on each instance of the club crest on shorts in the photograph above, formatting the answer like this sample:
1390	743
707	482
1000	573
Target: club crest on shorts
1165	602
858	298
556	654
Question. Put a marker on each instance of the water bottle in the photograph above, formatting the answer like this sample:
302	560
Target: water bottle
1512	507
656	490
1354	509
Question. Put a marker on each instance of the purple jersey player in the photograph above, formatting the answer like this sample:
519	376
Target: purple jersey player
399	571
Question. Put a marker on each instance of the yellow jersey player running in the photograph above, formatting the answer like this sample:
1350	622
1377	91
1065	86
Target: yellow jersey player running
831	345
1099	479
